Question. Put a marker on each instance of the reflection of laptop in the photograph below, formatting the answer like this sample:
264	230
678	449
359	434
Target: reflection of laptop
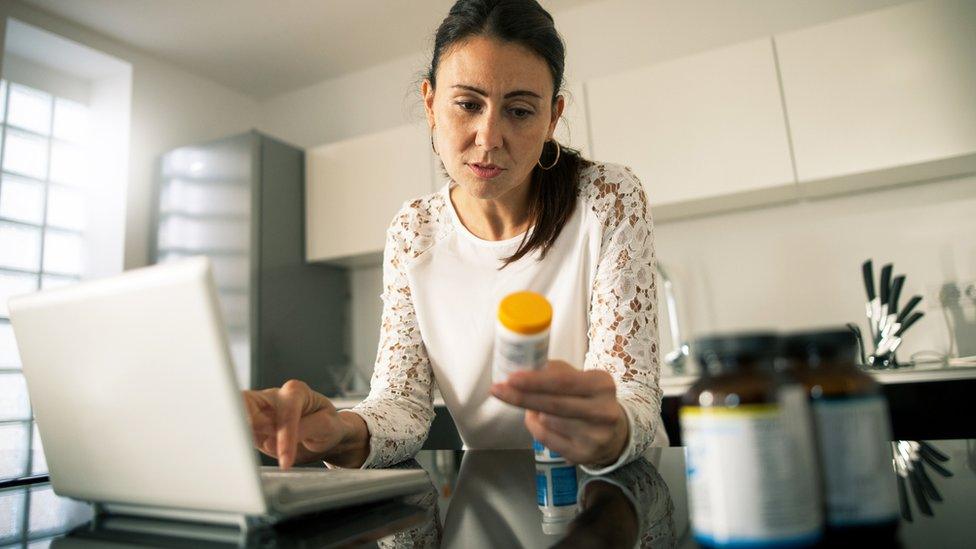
138	409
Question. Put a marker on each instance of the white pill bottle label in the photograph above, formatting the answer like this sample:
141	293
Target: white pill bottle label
751	475
518	352
855	450
545	455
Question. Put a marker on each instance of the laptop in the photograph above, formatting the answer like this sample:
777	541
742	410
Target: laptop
139	411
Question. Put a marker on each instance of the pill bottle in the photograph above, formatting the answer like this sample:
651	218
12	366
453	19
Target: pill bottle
521	334
853	434
522	343
556	490
750	460
545	455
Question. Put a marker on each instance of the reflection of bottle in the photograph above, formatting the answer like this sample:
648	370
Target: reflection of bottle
556	487
522	343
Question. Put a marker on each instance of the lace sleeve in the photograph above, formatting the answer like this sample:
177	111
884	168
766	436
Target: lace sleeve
623	305
399	408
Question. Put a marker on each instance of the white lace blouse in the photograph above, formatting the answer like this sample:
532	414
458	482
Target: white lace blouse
441	289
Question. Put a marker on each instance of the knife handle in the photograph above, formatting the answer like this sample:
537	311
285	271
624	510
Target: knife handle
885	287
919	493
908	323
867	271
908	309
925	447
895	294
906	508
928	487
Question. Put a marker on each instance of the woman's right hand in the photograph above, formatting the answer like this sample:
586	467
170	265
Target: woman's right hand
294	423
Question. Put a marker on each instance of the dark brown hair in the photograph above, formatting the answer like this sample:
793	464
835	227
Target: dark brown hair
552	192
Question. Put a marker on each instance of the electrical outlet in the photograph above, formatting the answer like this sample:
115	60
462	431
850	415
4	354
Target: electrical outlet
949	295
970	291
957	301
957	294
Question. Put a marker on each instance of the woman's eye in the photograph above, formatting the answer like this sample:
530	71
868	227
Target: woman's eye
468	106
521	113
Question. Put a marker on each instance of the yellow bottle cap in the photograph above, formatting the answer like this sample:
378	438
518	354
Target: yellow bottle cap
525	312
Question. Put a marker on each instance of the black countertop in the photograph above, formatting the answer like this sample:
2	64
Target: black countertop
475	499
923	404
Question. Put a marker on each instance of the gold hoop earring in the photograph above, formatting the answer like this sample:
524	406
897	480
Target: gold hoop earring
432	142
554	162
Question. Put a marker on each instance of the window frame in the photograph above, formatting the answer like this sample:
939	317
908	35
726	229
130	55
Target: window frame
29	423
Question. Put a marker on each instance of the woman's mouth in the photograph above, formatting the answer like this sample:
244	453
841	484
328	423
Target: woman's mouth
485	171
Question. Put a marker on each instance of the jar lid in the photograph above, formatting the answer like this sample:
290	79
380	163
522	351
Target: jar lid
525	312
716	352
826	343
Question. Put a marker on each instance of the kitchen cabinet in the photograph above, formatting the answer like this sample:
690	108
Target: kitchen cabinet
882	98
703	133
355	187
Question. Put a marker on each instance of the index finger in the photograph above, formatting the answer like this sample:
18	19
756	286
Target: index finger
288	412
562	382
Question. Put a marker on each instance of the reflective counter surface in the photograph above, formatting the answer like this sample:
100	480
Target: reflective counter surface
485	499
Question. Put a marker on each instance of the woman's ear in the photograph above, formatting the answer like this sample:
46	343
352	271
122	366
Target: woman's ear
557	111
427	92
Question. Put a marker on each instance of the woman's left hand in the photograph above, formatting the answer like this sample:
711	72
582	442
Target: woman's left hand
573	412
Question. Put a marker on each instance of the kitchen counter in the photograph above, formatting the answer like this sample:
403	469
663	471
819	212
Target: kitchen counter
924	403
676	385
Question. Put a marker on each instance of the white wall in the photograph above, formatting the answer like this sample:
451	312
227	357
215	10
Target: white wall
373	99
170	107
799	265
793	266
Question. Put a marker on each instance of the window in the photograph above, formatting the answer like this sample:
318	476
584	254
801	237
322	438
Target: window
44	189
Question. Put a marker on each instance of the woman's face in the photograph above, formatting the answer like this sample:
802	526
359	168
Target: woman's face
493	108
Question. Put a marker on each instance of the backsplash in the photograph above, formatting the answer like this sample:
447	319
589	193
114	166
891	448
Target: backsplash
791	266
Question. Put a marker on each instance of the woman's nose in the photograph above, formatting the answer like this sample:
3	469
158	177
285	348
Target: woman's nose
489	134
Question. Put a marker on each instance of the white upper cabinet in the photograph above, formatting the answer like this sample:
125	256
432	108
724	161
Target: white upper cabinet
884	97
355	187
703	133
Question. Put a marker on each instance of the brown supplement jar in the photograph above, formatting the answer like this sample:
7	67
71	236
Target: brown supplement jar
853	433
750	460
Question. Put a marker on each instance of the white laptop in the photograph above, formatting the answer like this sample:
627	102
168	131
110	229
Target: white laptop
139	412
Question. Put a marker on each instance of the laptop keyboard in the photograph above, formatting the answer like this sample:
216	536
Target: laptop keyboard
329	487
316	479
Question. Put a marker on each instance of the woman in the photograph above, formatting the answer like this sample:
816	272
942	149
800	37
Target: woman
520	213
